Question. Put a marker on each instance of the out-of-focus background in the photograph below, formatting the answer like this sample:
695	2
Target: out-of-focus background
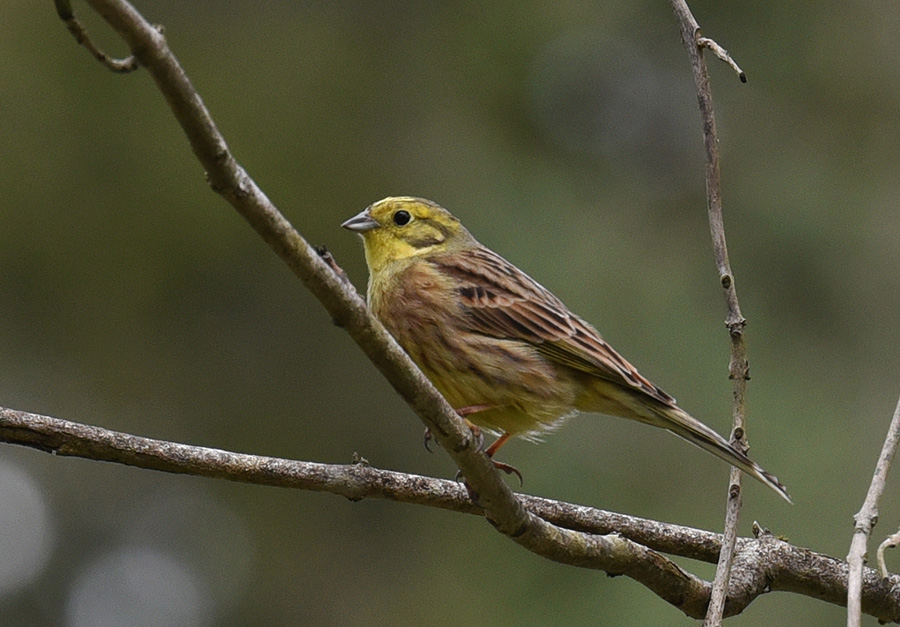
565	136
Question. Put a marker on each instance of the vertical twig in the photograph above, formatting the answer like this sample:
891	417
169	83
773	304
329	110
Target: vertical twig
738	368
865	520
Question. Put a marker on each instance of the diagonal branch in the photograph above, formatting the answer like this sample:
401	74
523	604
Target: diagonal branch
501	508
228	178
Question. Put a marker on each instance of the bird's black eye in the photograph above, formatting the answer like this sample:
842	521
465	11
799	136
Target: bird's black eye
402	218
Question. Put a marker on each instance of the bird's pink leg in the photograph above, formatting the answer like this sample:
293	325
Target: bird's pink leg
474	409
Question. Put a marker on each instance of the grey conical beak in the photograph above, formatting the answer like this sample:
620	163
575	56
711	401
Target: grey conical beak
361	222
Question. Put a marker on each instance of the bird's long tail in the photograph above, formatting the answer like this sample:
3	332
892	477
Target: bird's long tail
684	425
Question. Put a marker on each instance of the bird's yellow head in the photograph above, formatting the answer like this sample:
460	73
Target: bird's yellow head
403	227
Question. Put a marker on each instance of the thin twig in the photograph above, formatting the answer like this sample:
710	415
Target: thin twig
738	369
865	520
890	542
67	15
719	51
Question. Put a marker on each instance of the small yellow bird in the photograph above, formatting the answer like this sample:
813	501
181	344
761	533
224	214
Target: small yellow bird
506	353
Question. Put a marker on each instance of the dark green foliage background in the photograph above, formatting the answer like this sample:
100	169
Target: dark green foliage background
565	135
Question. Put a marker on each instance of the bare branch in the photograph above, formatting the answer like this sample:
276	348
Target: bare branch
739	368
865	521
616	543
611	552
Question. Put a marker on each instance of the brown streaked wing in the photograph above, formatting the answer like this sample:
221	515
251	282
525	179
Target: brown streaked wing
603	359
502	301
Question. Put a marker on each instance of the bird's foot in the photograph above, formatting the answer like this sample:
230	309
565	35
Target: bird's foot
476	431
510	470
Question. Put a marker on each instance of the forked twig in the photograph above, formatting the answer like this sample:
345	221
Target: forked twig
865	520
67	15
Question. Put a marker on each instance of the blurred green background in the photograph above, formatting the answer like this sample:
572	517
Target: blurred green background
565	136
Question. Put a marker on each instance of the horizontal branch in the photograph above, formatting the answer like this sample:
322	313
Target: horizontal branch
615	542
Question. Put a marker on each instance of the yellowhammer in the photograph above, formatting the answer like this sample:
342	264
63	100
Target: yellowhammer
503	350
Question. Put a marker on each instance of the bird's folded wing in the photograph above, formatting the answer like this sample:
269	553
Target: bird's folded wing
499	300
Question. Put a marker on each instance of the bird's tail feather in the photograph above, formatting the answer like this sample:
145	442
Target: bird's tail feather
684	425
